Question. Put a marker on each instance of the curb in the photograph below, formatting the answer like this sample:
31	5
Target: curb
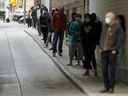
77	83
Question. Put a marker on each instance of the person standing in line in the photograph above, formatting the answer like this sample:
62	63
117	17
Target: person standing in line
109	50
38	20
59	22
34	16
45	23
29	19
94	40
73	38
85	35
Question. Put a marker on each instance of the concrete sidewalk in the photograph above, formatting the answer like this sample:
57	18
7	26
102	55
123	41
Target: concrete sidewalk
89	85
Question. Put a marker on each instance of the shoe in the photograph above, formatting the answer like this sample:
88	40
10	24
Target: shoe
77	65
111	90
60	54
104	91
54	54
86	73
51	49
69	65
96	74
46	45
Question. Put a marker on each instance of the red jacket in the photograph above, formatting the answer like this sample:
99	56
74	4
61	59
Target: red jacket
59	21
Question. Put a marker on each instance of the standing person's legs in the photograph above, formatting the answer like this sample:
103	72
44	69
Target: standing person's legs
48	38
79	53
71	54
93	59
28	23
55	40
105	70
45	35
34	21
60	45
113	69
88	61
39	29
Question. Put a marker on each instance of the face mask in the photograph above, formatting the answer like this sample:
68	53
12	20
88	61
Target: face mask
44	12
77	18
108	20
87	20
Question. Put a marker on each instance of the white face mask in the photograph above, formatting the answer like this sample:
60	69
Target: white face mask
108	20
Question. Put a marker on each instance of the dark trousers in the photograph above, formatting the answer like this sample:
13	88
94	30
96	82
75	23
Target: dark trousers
89	55
44	31
39	28
34	21
109	69
58	40
29	22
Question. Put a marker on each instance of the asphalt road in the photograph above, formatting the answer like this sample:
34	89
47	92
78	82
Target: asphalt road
25	70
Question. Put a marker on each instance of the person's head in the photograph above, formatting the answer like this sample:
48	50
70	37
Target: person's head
87	18
122	22
56	10
93	17
78	17
53	10
74	16
62	9
110	18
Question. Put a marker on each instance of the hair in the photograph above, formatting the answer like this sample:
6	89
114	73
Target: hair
86	15
74	14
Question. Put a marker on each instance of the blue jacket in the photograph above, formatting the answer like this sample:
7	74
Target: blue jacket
74	30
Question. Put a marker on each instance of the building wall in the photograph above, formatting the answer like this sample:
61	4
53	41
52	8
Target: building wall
1	4
29	4
119	7
70	6
46	3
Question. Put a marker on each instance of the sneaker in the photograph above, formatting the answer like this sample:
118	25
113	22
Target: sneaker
104	91
54	54
69	65
51	49
86	73
60	54
96	74
111	90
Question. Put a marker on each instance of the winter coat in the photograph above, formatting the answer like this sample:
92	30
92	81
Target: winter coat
74	32
59	21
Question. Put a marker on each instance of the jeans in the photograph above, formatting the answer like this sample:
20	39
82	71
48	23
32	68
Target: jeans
58	40
109	69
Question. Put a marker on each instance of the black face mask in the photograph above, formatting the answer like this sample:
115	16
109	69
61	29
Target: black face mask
87	20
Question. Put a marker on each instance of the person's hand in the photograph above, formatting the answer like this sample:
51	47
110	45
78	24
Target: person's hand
113	51
100	50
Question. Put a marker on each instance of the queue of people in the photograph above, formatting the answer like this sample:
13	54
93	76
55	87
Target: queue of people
82	38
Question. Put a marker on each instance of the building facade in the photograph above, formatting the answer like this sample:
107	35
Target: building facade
70	6
2	4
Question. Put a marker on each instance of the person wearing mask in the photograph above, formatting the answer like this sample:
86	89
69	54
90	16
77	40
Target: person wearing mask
59	22
29	19
94	40
109	50
85	35
34	16
121	42
74	39
45	23
38	20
